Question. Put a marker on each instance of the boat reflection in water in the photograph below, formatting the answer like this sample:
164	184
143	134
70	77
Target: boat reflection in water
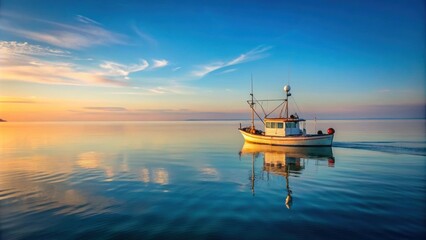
283	161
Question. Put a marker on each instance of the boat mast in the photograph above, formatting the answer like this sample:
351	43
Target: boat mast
252	105
287	94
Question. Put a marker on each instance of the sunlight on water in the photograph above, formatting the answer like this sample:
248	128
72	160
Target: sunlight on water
200	180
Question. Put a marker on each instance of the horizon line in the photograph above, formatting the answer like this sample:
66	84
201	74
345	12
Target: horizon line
204	120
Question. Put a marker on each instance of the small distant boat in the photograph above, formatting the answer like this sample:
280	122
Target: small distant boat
283	131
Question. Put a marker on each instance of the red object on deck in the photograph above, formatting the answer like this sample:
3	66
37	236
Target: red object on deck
330	131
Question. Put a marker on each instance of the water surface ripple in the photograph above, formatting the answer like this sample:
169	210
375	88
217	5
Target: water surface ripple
183	180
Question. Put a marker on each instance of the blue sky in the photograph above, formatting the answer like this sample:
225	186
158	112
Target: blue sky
172	60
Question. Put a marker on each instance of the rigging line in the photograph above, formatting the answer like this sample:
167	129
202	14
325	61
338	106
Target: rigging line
298	109
281	112
260	104
259	117
271	100
274	109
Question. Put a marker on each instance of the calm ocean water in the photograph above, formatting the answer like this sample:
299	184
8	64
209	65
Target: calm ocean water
186	180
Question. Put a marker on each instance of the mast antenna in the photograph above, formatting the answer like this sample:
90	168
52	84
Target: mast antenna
287	94
251	85
252	106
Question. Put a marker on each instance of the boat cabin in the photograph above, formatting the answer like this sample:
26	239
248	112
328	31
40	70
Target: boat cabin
284	126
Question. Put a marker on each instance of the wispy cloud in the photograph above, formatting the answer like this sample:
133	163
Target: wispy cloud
159	63
13	47
206	69
53	73
22	62
171	89
84	19
144	36
159	90
122	70
117	69
25	102
17	100
88	33
252	55
108	109
229	70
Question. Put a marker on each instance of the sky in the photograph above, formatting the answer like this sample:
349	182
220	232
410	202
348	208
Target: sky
178	60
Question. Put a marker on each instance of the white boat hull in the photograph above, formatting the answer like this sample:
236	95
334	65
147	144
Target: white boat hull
307	140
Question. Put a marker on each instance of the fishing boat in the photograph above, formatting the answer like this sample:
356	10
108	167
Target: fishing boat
283	130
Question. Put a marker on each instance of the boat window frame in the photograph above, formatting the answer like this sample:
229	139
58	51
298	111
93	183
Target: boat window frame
280	125
273	125
268	125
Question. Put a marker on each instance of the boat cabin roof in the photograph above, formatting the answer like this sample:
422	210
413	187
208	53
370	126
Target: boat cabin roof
284	120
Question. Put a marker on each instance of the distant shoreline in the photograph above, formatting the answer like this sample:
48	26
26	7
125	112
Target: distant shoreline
212	120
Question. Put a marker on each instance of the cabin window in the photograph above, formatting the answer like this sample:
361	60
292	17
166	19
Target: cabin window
268	125
290	125
280	125
273	125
